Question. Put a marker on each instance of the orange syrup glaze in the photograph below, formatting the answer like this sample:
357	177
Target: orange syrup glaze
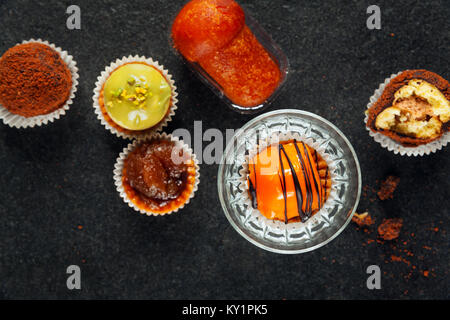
205	26
265	174
244	70
213	34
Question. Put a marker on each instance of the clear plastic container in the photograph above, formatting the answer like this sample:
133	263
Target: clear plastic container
275	52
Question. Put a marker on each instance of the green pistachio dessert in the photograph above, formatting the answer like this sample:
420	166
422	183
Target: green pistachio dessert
137	96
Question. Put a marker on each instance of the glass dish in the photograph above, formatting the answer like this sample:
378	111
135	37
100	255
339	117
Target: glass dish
272	48
298	237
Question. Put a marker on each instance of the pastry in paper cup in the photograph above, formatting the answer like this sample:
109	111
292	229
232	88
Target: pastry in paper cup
409	113
41	98
157	176
135	97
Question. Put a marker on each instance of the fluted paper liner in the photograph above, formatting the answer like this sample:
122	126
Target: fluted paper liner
18	121
118	172
126	133
276	224
394	146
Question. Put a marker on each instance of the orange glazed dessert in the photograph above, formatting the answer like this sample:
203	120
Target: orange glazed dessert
154	180
213	34
288	181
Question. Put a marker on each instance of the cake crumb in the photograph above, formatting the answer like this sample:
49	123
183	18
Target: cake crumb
388	187
389	229
400	259
363	219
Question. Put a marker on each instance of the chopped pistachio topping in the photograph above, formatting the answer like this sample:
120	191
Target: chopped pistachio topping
137	96
137	92
117	93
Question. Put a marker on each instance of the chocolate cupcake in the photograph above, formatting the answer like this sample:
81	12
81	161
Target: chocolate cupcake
157	176
411	110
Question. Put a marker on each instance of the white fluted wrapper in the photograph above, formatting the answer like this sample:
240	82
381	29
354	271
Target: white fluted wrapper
118	171
297	227
105	75
394	146
18	121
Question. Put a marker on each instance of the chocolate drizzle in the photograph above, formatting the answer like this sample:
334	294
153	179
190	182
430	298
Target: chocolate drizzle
317	184
253	190
304	216
312	183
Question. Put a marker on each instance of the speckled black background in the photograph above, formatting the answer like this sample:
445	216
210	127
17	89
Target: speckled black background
59	177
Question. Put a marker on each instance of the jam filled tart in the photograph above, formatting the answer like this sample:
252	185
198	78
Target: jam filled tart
158	176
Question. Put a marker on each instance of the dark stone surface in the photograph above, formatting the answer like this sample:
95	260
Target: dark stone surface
56	178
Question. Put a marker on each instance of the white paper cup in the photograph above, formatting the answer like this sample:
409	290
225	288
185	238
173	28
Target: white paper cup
394	146
118	172
281	225
115	129
18	121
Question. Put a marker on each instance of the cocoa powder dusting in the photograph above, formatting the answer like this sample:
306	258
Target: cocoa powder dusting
34	80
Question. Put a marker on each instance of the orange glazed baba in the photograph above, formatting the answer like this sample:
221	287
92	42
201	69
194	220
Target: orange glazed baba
414	108
158	176
288	181
213	34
